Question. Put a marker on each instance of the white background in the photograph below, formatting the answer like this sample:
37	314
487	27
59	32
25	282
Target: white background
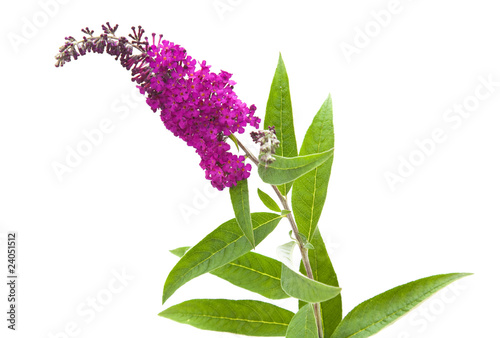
121	209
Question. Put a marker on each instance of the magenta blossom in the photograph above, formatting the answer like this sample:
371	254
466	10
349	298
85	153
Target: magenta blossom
200	107
195	104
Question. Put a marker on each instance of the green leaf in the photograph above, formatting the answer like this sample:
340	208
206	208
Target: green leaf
309	190
179	252
235	140
298	286
268	201
245	317
221	246
285	212
373	315
288	169
303	238
253	272
279	114
308	198
303	324
321	266
241	207
309	246
256	273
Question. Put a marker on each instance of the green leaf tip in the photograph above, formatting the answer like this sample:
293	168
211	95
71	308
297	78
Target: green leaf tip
376	313
280	115
310	190
179	252
235	140
268	201
298	286
241	206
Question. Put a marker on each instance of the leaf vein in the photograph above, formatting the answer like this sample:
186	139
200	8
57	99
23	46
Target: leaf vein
257	271
240	319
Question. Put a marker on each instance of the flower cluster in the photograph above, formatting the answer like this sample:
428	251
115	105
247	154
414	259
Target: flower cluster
268	143
200	107
197	105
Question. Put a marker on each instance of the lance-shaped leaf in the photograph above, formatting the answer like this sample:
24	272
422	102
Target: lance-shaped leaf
321	266
221	246
252	271
373	315
241	207
309	190
298	286
256	273
268	201
303	324
245	317
279	114
288	169
308	198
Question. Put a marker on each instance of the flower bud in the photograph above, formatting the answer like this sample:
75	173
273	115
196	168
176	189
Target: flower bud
268	144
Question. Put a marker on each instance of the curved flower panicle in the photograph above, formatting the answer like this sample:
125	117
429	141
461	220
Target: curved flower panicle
195	104
200	107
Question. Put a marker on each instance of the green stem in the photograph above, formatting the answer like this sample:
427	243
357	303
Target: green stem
303	249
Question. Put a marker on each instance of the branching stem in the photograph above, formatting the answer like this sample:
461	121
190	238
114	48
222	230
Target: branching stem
303	249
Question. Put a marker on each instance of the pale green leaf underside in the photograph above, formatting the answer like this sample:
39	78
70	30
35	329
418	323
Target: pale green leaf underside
299	286
221	246
268	201
288	169
241	207
303	324
245	317
285	252
279	114
373	315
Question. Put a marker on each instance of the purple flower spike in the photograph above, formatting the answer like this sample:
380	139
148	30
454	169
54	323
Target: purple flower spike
200	107
196	105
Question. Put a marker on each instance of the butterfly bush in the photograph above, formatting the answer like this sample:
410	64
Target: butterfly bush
200	107
195	104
